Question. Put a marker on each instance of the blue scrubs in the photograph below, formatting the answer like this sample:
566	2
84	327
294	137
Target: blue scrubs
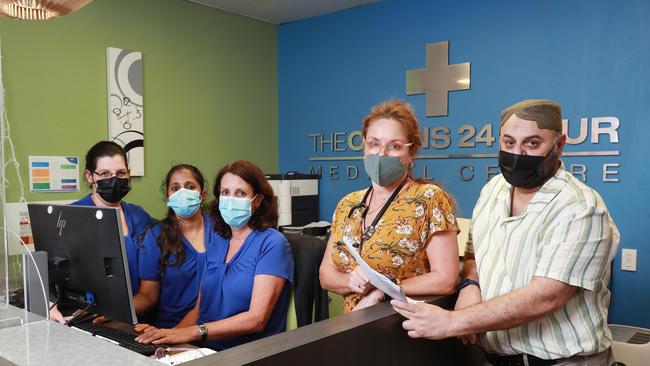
179	285
227	288
137	220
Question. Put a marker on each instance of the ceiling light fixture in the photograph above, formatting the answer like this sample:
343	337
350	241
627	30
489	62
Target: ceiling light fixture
39	9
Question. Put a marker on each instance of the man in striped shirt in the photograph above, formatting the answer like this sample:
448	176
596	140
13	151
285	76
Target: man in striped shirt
538	261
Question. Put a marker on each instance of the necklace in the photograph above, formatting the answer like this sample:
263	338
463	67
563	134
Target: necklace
379	205
194	233
381	202
369	230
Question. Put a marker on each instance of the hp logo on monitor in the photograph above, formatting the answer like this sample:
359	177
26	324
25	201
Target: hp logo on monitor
60	223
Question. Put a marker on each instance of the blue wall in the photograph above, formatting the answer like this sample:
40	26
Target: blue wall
591	56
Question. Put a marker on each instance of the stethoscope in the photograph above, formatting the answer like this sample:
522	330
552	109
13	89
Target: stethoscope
370	230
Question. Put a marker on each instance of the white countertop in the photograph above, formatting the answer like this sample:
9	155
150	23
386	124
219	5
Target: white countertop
48	343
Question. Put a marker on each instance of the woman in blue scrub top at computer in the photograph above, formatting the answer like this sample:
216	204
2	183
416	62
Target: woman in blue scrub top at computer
172	257
107	172
244	293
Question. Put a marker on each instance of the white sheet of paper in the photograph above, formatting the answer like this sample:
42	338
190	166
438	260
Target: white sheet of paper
376	279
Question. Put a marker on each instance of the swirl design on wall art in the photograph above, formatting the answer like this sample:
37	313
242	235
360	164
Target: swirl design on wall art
125	105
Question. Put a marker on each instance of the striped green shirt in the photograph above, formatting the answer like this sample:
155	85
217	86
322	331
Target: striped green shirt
565	233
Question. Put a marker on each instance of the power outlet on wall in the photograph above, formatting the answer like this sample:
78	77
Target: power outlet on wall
628	260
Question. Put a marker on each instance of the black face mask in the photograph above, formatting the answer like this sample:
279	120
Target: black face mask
113	189
526	171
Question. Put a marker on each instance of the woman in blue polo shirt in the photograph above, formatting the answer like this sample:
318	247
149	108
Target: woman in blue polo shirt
172	257
107	172
245	288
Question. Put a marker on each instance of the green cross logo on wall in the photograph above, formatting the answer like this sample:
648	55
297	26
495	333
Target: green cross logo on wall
437	79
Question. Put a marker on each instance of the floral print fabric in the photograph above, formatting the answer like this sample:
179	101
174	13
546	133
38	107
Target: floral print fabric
397	247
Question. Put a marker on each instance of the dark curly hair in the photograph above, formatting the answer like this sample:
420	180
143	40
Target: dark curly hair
265	216
170	241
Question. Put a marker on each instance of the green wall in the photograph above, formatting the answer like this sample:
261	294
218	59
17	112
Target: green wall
210	88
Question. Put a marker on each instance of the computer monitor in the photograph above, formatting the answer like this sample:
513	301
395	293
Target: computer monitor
86	257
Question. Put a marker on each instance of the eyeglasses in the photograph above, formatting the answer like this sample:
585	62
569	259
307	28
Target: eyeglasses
105	174
394	148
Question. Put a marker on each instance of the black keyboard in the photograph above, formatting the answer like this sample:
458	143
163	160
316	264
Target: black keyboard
122	338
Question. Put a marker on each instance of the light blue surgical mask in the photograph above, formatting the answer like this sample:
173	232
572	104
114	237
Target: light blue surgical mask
185	202
384	170
236	211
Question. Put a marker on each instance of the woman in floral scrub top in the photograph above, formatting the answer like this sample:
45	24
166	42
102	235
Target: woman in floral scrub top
414	240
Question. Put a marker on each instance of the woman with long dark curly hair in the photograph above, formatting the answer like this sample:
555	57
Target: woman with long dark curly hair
172	257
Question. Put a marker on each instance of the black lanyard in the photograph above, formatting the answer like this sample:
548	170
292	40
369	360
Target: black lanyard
370	230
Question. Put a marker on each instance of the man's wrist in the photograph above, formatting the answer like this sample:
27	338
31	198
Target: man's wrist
453	324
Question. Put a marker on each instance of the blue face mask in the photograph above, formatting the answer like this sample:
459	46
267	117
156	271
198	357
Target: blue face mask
236	211
185	202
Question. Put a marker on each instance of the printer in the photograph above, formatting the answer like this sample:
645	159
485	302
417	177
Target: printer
297	196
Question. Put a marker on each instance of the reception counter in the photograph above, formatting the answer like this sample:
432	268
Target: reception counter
372	336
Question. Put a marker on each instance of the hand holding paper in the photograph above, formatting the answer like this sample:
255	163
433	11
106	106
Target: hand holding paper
376	279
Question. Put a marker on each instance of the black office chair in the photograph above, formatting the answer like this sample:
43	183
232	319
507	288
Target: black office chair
308	294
